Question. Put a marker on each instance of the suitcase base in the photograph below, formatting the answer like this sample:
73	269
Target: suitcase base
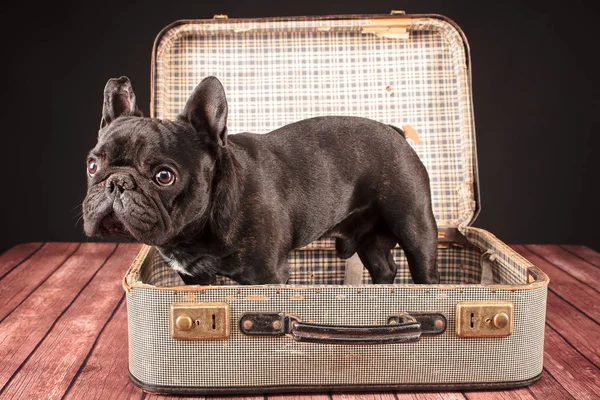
446	387
279	363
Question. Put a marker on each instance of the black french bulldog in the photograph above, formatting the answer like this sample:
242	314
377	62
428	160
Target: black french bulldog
237	205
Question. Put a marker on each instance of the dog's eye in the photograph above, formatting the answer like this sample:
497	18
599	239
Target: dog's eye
165	177
92	167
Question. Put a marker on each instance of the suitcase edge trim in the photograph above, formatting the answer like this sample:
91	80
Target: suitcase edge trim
446	387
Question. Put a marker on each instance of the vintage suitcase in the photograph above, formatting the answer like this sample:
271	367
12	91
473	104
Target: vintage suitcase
329	328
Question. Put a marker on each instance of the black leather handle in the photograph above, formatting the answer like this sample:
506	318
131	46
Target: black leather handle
401	328
408	331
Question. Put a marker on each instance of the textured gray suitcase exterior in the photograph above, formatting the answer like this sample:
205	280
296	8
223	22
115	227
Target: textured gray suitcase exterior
330	328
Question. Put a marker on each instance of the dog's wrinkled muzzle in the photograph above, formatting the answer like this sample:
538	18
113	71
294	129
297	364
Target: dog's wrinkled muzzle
117	183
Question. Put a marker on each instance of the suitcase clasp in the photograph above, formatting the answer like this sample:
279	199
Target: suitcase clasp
479	319
199	321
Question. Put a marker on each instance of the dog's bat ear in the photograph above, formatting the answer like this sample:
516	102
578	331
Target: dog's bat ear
206	110
119	100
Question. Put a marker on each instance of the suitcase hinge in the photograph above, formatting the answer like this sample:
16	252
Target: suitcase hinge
392	28
451	236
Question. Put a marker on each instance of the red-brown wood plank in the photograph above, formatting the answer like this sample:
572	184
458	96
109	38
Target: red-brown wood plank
24	279
577	267
104	374
313	396
521	393
431	396
24	328
576	327
51	368
563	284
399	395
363	396
575	374
341	396
14	256
547	388
590	255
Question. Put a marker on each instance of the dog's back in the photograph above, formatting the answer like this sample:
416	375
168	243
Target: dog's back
335	164
350	177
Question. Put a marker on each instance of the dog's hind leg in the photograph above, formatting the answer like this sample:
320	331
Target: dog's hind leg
417	236
374	252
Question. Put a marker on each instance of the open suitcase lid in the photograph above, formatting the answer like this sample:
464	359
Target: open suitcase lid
400	70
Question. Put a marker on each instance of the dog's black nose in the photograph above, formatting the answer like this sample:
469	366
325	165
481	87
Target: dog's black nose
118	183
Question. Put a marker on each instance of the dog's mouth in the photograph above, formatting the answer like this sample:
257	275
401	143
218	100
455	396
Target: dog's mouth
130	217
110	225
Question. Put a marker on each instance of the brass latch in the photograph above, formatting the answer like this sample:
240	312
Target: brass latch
199	321
484	319
220	16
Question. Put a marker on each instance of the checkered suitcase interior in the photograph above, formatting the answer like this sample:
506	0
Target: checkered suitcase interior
400	70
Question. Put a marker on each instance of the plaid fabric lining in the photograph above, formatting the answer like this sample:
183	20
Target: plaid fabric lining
278	72
508	266
457	265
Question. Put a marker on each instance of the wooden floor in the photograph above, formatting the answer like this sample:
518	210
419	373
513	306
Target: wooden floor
63	325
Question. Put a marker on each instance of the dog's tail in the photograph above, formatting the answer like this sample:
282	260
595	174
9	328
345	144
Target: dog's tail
400	131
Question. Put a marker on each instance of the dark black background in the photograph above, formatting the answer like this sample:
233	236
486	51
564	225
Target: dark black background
535	87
